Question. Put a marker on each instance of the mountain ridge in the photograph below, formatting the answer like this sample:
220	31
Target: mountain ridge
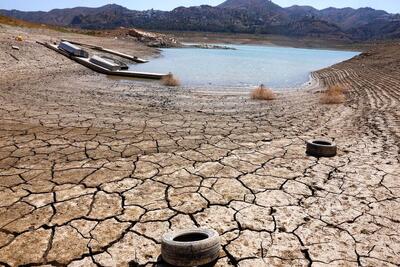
235	16
236	4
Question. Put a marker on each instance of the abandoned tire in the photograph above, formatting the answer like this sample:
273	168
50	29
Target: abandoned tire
190	247
321	148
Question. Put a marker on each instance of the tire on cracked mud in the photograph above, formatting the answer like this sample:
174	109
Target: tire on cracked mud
190	247
321	148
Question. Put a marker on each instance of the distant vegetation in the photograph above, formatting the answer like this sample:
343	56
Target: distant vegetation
234	16
26	24
18	23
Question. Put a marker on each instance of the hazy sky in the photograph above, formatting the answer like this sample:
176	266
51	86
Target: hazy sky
392	6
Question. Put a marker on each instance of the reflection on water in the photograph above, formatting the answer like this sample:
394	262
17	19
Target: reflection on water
278	67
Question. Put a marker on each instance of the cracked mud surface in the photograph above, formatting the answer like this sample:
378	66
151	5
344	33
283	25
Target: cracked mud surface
94	170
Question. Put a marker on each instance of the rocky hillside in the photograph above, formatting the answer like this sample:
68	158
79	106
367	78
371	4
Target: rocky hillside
236	16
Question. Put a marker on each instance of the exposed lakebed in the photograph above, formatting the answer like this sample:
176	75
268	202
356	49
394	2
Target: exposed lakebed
245	66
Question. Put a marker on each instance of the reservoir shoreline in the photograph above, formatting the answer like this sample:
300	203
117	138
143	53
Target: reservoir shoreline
93	170
243	67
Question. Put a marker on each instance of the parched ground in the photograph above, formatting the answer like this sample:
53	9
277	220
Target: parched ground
94	170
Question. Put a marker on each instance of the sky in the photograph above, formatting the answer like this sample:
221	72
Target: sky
392	6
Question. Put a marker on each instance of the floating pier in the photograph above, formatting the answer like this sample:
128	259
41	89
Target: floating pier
87	62
105	63
73	50
106	50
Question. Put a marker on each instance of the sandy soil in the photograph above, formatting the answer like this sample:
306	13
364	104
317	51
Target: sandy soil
94	170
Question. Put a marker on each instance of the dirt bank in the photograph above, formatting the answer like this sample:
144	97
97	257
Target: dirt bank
94	170
262	39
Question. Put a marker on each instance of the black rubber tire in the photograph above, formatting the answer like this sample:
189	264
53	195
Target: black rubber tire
190	253
321	148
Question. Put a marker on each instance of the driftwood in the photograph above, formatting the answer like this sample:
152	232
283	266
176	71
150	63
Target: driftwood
14	57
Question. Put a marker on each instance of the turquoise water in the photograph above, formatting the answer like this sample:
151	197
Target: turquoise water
277	67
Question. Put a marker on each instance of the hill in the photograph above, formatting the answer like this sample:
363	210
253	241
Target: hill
235	16
251	4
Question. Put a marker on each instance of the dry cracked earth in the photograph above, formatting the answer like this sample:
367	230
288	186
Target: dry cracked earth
94	170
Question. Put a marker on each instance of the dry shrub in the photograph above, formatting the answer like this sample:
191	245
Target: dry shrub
262	93
170	80
333	95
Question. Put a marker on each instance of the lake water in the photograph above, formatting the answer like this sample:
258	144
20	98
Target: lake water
248	65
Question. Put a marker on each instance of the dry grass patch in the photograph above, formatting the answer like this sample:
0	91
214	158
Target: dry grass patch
333	95
170	80
17	22
263	93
